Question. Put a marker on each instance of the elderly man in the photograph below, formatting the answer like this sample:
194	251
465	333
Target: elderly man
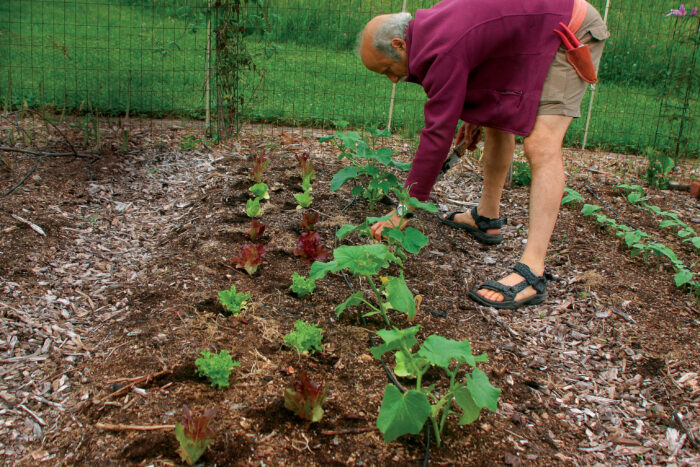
497	64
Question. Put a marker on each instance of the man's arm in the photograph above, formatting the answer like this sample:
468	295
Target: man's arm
446	87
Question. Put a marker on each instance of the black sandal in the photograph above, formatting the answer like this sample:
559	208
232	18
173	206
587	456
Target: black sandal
539	283
483	224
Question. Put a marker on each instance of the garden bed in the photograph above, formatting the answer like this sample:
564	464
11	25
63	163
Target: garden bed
138	242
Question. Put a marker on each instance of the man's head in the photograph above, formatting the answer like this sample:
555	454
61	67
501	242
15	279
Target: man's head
382	45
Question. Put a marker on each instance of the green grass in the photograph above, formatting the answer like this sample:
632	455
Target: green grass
149	58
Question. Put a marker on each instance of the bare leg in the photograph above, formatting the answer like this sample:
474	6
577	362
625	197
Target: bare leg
543	151
498	154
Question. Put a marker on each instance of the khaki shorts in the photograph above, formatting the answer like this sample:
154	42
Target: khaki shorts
563	88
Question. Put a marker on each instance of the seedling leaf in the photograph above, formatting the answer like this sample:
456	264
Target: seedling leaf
483	393
216	367
233	301
342	176
440	351
399	297
302	286
306	339
194	435
353	300
305	398
401	414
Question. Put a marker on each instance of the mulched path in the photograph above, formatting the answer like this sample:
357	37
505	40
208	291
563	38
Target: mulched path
138	241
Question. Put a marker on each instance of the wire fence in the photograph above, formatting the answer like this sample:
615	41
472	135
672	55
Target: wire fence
158	58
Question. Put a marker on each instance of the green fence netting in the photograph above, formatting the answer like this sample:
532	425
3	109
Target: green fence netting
151	58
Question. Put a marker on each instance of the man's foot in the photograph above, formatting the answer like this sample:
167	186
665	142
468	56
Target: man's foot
518	289
483	229
510	280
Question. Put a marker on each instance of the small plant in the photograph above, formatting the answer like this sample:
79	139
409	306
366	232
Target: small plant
309	247
658	168
409	239
256	230
571	196
366	261
309	221
190	142
194	435
233	301
642	243
306	339
303	199
635	195
306	166
216	367
305	398
260	163
301	286
252	206
406	413
250	257
522	175
367	166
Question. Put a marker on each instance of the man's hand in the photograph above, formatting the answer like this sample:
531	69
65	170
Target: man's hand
469	135
391	223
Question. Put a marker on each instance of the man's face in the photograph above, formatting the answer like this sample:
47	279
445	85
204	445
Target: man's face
380	63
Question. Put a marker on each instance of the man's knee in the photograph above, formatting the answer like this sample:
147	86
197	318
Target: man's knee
543	144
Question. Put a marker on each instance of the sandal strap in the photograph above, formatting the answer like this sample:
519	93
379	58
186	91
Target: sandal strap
485	223
508	291
539	283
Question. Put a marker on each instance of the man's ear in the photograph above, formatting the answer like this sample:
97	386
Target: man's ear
398	43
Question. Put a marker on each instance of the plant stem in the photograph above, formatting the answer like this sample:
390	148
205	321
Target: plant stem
382	309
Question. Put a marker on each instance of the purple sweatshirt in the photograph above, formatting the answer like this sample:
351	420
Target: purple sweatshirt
483	61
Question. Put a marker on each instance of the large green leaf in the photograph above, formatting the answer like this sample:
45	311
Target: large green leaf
589	209
320	269
402	414
683	277
470	411
353	300
364	260
343	175
395	339
483	393
399	297
440	351
427	206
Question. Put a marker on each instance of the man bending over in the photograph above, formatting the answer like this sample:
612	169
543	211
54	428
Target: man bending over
496	64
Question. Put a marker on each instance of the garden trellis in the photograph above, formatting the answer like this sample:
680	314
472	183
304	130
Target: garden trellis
163	58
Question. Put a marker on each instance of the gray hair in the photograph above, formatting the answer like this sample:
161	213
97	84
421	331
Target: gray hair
393	26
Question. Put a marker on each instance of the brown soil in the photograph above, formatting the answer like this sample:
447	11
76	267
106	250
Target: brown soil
138	242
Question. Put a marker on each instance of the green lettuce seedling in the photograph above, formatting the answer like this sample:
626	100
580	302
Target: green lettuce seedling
194	435
406	413
306	339
216	367
301	286
233	301
304	199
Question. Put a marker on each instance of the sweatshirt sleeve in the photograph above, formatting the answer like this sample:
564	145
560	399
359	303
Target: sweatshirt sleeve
446	87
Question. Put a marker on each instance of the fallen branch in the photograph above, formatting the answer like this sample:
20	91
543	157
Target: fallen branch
142	379
625	316
35	416
21	181
113	427
33	226
48	154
